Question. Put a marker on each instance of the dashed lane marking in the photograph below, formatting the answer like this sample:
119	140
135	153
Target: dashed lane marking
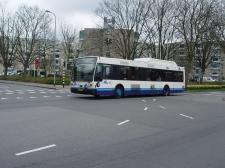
123	122
35	150
162	107
186	116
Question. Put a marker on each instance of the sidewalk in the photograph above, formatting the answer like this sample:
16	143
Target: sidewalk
58	87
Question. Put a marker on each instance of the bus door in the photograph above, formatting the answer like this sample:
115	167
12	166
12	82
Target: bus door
106	79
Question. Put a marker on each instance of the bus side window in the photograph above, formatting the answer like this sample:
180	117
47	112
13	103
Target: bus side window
107	72
98	72
123	73
175	76
114	74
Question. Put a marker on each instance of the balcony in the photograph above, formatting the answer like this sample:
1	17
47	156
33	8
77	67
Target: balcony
214	68
215	61
214	75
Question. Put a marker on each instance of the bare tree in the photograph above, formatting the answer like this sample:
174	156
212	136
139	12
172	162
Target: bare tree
8	38
161	30
204	53
44	46
128	38
69	37
219	24
192	19
29	24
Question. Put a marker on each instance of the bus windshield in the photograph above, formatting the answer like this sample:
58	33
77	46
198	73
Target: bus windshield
84	69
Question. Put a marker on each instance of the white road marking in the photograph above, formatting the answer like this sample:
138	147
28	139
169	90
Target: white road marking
146	108
46	96
154	100
8	93
123	122
186	116
32	92
58	96
52	92
4	98
35	150
19	90
69	95
33	97
42	92
162	107
143	100
19	97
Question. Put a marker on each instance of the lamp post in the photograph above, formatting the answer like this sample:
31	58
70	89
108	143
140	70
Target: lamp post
54	41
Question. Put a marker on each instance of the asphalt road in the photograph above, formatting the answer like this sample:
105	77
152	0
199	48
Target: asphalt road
43	127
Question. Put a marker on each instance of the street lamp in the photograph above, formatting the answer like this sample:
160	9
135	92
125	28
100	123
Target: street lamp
54	42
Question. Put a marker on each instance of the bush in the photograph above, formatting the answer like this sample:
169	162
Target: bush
205	87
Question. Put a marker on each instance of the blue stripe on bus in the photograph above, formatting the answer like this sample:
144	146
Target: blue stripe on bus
136	91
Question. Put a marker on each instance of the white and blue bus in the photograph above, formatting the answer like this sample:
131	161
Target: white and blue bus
118	77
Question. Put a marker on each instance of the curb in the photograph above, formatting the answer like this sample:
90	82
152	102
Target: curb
36	85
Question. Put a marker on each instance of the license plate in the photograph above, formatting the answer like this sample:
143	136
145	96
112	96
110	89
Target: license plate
80	90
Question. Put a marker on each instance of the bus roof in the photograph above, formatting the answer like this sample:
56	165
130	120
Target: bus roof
156	61
140	62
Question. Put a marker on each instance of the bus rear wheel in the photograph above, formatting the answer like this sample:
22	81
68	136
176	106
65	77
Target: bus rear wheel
166	91
118	92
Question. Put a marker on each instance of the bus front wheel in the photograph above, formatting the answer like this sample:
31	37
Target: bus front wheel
118	92
166	91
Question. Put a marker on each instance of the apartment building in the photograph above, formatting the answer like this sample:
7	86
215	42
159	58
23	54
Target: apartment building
101	41
215	68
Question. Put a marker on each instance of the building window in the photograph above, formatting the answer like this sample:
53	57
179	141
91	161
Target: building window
107	53
108	31
182	45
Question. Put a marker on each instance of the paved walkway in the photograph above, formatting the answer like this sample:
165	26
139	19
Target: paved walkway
50	86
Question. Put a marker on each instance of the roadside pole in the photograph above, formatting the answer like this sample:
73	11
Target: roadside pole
64	65
199	77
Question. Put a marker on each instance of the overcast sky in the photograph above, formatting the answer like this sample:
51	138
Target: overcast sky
77	12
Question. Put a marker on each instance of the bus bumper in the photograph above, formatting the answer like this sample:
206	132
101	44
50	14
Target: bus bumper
83	91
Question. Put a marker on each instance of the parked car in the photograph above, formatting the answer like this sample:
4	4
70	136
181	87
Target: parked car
194	79
216	80
207	79
20	73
